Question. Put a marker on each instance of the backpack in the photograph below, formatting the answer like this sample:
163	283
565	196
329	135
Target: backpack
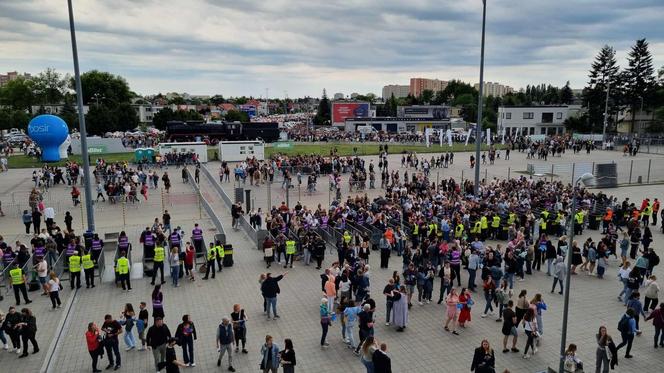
623	324
654	260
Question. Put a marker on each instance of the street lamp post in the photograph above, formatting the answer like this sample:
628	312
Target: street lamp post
81	121
478	127
606	114
563	340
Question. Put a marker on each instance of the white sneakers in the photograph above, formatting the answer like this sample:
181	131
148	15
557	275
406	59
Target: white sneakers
483	315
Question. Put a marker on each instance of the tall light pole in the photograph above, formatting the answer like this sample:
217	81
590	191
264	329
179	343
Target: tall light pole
563	339
606	113
81	121
478	127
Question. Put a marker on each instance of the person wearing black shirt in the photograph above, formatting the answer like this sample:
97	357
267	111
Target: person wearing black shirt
157	338
288	357
270	289
28	328
366	325
143	317
387	291
509	327
112	329
239	319
382	362
172	364
185	334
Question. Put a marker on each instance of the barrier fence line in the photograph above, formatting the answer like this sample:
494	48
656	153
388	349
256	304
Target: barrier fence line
208	208
246	226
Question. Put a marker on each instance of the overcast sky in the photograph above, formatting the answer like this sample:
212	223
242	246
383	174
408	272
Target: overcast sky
242	47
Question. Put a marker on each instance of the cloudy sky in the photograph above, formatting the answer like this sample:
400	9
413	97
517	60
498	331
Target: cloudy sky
300	47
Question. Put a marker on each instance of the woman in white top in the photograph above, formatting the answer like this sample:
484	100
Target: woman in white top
174	262
42	272
54	290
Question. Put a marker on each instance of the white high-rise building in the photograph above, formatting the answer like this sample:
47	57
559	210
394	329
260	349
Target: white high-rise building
399	91
494	89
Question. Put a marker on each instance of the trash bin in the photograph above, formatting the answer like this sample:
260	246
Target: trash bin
228	255
594	222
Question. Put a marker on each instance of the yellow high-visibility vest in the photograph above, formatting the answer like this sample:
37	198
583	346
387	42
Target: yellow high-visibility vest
579	217
511	219
74	263
17	276
416	229
123	265
290	247
220	251
496	221
477	228
484	222
158	254
87	261
212	253
347	237
458	231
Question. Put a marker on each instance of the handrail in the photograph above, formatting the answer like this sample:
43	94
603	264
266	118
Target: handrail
4	279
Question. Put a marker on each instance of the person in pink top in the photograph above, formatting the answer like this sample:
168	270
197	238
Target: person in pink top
330	292
452	301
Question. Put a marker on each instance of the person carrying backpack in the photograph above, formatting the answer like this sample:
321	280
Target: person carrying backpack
627	329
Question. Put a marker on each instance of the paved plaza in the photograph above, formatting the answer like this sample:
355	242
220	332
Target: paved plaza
424	346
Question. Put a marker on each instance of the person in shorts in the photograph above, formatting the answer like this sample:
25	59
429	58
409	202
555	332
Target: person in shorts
509	327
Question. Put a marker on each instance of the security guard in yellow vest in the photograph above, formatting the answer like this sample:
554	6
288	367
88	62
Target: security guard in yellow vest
495	226
290	252
347	237
484	224
559	218
123	271
75	270
220	255
89	269
645	215
544	222
158	262
432	228
458	231
511	219
211	258
477	229
578	222
18	283
416	229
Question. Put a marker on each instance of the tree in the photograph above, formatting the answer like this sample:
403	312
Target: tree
566	94
100	119
427	96
18	94
50	87
604	73
391	105
113	88
68	113
578	124
639	78
468	104
323	115
125	117
237	116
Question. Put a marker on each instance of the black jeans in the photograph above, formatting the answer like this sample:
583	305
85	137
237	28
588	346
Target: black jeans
325	327
95	357
22	289
659	334
456	272
75	279
55	298
111	346
188	349
89	277
26	336
627	339
157	266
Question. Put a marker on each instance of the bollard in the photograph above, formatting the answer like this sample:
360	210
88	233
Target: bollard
269	196
124	214
82	217
509	171
552	173
631	165
649	164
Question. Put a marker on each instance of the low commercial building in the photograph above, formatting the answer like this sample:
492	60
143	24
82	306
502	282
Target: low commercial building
396	125
535	120
424	111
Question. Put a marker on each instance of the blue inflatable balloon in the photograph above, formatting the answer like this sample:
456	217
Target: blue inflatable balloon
49	132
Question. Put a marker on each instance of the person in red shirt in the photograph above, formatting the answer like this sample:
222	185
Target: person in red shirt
189	261
92	337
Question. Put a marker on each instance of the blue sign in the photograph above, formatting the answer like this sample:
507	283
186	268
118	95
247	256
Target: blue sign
49	132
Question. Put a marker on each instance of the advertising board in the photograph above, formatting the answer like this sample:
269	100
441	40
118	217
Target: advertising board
343	110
